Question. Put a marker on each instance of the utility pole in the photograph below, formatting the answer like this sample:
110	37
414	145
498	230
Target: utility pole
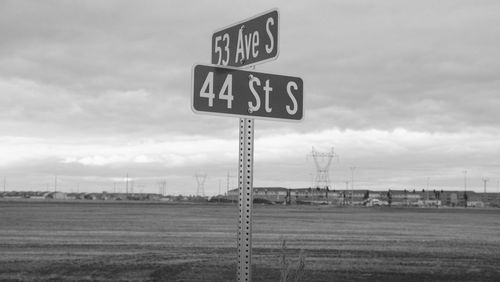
346	191
352	183
4	181
165	187
428	180
227	184
126	184
55	183
498	189
465	180
465	188
485	180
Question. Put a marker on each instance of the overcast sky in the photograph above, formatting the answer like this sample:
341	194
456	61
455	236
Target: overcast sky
408	92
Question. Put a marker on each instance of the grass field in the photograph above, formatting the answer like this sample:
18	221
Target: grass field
97	241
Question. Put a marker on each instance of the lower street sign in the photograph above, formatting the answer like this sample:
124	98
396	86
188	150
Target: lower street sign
246	94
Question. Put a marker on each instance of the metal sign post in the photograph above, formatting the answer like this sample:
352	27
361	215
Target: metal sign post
245	200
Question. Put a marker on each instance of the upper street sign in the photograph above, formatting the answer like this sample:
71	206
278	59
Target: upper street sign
251	41
249	94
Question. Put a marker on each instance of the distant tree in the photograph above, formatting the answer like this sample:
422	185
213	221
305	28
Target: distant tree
389	197
437	194
465	199
288	197
367	195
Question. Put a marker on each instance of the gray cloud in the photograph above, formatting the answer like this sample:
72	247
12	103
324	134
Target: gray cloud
100	70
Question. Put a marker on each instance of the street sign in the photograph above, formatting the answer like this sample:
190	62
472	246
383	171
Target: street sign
251	41
231	91
248	94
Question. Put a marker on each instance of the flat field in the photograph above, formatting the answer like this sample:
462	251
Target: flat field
124	241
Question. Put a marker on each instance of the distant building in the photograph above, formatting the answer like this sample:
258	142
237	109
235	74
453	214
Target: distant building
475	204
39	195
343	197
91	196
56	196
271	194
452	199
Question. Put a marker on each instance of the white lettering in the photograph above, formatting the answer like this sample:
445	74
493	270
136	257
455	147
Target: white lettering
226	48
267	90
255	44
227	86
209	83
292	84
251	106
269	47
248	43
240	47
218	50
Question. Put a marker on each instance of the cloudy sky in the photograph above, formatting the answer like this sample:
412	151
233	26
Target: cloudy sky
408	92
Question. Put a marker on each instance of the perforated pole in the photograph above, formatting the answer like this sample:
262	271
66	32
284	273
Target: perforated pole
245	201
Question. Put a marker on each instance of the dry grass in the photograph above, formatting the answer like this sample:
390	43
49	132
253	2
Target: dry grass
287	271
169	242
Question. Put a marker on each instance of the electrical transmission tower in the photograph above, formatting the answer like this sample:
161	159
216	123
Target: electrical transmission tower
322	162
200	179
162	187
